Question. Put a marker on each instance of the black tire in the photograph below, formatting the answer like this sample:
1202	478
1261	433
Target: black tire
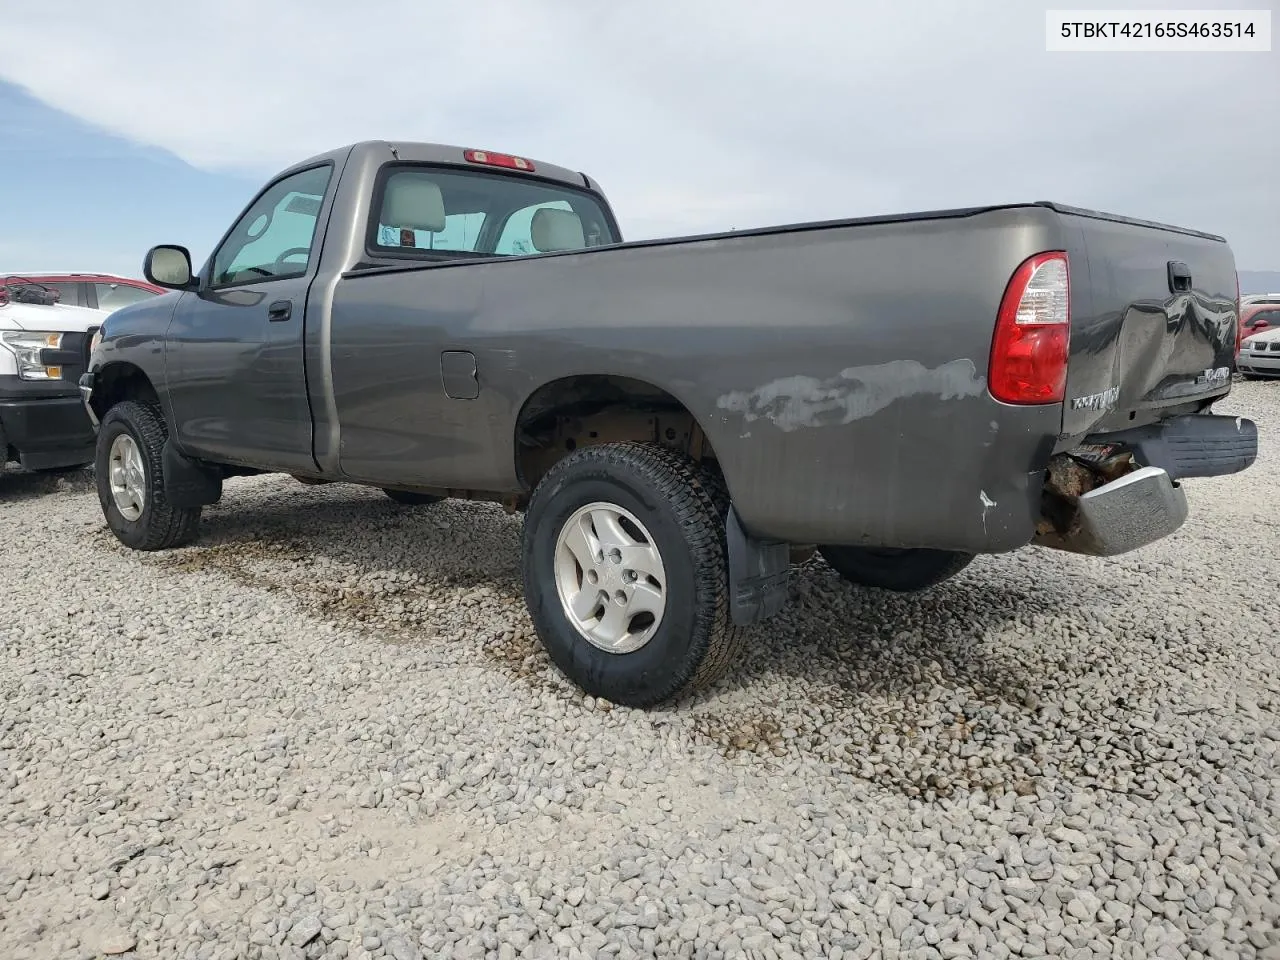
904	571
696	641
409	499
160	526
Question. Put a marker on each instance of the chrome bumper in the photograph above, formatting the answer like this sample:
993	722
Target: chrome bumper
86	393
1137	509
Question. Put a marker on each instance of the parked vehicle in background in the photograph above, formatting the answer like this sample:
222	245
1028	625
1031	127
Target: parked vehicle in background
902	393
1259	355
98	291
44	348
1259	316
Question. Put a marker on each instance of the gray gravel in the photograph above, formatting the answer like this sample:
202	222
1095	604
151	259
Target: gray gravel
326	731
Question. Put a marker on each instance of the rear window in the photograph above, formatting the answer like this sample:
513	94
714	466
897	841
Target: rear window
425	212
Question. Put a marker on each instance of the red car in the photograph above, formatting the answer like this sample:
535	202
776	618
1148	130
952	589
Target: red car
102	291
1258	314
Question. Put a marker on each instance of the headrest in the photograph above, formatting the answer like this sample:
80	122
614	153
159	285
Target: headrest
412	201
553	230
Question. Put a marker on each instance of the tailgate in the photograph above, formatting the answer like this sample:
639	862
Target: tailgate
1154	319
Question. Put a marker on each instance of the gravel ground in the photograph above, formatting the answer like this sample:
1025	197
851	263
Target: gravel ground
326	731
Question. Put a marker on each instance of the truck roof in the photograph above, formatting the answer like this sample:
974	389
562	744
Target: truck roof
443	153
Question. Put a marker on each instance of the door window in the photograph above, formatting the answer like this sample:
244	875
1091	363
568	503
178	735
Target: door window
113	296
273	239
68	292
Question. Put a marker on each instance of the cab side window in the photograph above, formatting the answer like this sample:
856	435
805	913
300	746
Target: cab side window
273	239
68	293
113	296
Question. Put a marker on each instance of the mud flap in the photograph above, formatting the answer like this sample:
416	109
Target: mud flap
187	483
757	573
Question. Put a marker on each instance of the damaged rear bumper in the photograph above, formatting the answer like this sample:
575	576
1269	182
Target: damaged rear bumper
1121	491
1139	508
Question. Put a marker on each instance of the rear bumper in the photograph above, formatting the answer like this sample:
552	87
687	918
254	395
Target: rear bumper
46	433
1136	510
1146	503
1200	445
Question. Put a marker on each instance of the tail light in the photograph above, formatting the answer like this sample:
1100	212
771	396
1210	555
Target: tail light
1033	333
1239	319
498	160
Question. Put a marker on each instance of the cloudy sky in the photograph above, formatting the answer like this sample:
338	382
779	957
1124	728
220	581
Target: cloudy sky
128	123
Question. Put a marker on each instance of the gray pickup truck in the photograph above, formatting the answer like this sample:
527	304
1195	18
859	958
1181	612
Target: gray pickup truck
678	419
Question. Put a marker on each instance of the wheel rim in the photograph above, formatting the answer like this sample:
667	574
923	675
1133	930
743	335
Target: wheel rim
610	578
128	477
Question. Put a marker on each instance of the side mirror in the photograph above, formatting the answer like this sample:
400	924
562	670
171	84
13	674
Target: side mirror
169	266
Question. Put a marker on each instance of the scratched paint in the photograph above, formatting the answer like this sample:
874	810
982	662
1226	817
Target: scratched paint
987	504
791	403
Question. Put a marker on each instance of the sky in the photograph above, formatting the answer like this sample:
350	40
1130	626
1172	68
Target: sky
127	124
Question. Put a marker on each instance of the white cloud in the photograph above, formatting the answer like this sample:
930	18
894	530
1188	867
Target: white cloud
695	115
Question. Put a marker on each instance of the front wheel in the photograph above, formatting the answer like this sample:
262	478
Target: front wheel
625	573
129	472
902	570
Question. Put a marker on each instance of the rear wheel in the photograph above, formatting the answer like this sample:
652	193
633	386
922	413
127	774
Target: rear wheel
410	499
625	573
129	472
903	570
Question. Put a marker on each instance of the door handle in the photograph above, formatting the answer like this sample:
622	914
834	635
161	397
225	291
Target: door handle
280	310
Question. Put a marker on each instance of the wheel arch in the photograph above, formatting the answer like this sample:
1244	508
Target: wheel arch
568	412
121	380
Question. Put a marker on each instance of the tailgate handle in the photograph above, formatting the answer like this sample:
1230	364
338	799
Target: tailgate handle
1179	277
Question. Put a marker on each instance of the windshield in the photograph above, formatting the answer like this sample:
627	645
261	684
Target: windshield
1264	319
425	212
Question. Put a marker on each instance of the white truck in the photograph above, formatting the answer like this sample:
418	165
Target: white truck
44	348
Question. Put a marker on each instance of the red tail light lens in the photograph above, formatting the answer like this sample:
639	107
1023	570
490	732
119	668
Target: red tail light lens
498	160
1033	333
1239	319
